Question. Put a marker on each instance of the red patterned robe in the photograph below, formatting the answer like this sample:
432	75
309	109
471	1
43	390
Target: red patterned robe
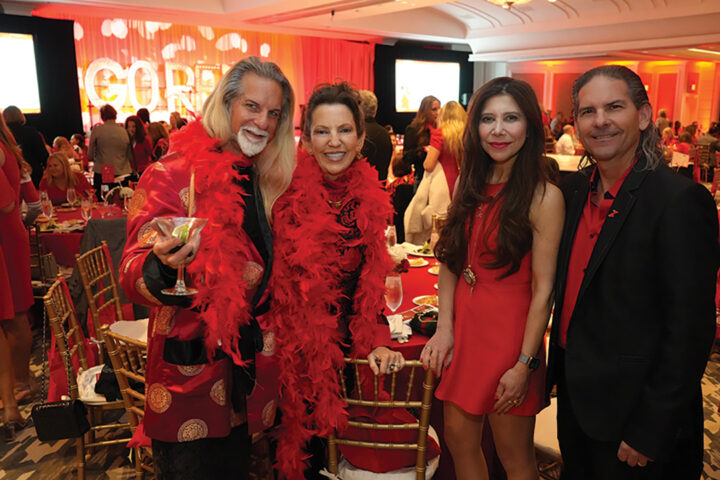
190	401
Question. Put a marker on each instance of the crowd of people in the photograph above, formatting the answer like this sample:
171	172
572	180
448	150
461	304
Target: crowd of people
290	272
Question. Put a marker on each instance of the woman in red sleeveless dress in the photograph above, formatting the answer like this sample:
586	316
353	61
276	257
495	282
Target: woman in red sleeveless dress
15	243
497	253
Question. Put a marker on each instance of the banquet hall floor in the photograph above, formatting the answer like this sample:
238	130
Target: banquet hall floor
29	459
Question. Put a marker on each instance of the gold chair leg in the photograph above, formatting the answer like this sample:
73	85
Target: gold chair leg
80	457
332	455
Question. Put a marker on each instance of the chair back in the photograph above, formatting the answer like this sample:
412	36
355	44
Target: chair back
403	392
549	145
43	267
98	278
128	357
702	154
64	324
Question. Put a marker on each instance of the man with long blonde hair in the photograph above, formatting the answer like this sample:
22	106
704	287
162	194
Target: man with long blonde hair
229	167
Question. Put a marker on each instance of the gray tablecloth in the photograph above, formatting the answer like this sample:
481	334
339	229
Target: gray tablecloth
113	231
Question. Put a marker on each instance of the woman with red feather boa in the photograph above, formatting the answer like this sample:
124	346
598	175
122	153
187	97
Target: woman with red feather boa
330	264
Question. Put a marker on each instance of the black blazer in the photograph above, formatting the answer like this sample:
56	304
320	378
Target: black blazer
378	147
644	321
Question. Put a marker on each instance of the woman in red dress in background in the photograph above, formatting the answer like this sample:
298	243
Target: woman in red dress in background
446	143
58	178
15	244
497	252
142	148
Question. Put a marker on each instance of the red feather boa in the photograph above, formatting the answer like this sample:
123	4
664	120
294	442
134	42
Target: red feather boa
305	278
224	250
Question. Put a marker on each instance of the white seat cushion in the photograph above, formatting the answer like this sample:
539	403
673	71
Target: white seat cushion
346	471
86	381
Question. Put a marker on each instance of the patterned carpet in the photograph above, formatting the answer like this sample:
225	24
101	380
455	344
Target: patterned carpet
29	459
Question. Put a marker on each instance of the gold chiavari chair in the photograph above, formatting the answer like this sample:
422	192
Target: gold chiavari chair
43	267
70	343
128	357
409	398
101	288
702	157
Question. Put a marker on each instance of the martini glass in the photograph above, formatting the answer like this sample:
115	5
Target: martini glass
188	229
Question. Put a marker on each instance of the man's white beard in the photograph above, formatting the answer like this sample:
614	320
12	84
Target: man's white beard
252	147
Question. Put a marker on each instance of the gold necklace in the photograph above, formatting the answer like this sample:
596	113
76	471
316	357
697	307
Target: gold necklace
336	204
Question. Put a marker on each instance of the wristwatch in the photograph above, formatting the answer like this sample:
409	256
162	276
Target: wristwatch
531	362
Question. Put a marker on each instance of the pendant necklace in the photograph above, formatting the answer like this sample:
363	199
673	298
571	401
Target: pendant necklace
468	275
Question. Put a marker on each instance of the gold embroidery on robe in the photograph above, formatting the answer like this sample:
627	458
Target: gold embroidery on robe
165	320
218	392
191	430
146	235
159	398
137	201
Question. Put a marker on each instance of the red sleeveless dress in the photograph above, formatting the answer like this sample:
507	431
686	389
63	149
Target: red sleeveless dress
489	327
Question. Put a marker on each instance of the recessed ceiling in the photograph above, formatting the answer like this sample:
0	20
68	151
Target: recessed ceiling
534	31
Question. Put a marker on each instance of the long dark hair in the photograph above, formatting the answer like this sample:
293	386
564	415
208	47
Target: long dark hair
140	134
530	169
422	118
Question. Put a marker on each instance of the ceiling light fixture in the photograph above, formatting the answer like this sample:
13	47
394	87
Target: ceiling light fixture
508	4
701	50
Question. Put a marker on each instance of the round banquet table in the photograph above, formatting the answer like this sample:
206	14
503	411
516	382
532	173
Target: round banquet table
65	245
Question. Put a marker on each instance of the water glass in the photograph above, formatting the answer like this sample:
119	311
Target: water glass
393	292
47	206
391	235
71	196
86	206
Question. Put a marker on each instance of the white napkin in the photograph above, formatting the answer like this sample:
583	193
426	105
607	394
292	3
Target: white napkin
398	330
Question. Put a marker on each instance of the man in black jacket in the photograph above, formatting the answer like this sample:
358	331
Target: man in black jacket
378	147
31	142
634	310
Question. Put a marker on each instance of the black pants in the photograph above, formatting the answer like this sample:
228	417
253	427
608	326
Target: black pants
226	458
585	458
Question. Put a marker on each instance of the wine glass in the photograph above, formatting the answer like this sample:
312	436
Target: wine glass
71	196
47	206
391	235
86	206
186	228
393	292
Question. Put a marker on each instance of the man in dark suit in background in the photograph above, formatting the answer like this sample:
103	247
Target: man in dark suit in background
634	310
378	147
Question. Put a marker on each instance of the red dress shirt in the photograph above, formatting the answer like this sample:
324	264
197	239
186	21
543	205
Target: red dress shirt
591	223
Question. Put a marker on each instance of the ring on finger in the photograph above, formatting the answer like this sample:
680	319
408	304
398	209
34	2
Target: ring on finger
391	367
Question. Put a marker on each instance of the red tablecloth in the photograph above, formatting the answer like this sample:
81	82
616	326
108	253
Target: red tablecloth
66	245
416	282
